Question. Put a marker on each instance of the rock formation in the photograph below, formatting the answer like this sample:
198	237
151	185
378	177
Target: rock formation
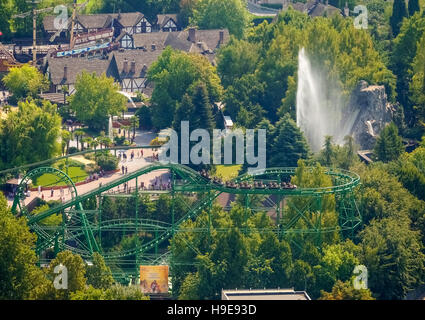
374	112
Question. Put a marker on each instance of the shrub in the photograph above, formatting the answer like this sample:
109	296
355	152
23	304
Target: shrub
156	142
119	141
61	165
145	117
73	150
107	162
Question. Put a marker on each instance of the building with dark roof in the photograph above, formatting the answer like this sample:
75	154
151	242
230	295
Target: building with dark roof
266	294
64	71
205	42
130	23
167	23
130	68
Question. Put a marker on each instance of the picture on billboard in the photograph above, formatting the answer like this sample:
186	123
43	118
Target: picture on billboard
154	279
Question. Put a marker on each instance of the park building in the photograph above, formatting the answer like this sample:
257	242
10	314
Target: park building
264	294
129	23
130	58
314	8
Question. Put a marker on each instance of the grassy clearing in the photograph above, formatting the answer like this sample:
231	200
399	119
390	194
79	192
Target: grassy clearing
47	180
227	172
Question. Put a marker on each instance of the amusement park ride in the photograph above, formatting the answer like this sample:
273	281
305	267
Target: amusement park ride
81	230
7	60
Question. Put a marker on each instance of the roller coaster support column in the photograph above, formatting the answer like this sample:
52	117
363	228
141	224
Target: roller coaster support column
63	229
172	201
246	212
99	222
56	248
88	233
353	208
66	165
136	201
278	204
156	235
319	222
209	218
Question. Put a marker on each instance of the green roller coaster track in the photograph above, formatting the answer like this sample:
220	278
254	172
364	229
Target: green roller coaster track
81	230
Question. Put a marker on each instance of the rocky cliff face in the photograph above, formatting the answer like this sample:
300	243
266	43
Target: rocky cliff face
373	113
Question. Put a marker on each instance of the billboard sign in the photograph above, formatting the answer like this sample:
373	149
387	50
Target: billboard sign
154	279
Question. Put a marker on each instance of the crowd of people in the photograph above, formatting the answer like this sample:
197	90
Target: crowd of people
4	96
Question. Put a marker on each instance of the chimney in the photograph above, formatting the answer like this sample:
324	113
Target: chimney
125	66
133	67
221	41
65	72
153	46
192	34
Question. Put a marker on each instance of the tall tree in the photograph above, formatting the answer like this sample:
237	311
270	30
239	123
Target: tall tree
79	134
413	7
328	150
389	145
135	122
76	271
25	81
30	134
184	112
176	73
417	85
345	291
99	274
237	58
289	145
19	276
216	14
393	256
245	95
186	11
399	13
96	99
203	108
405	48
66	139
145	117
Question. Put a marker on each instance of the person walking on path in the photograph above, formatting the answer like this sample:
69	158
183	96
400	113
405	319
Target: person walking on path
123	168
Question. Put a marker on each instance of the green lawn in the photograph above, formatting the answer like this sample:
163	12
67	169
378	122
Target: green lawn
75	173
228	172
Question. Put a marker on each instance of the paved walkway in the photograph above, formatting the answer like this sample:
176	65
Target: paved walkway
160	176
260	11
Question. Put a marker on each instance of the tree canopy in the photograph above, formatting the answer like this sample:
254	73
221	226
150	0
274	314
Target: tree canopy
25	81
176	73
96	99
389	145
19	275
218	14
29	134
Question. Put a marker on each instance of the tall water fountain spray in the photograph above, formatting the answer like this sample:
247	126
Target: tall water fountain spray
319	106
